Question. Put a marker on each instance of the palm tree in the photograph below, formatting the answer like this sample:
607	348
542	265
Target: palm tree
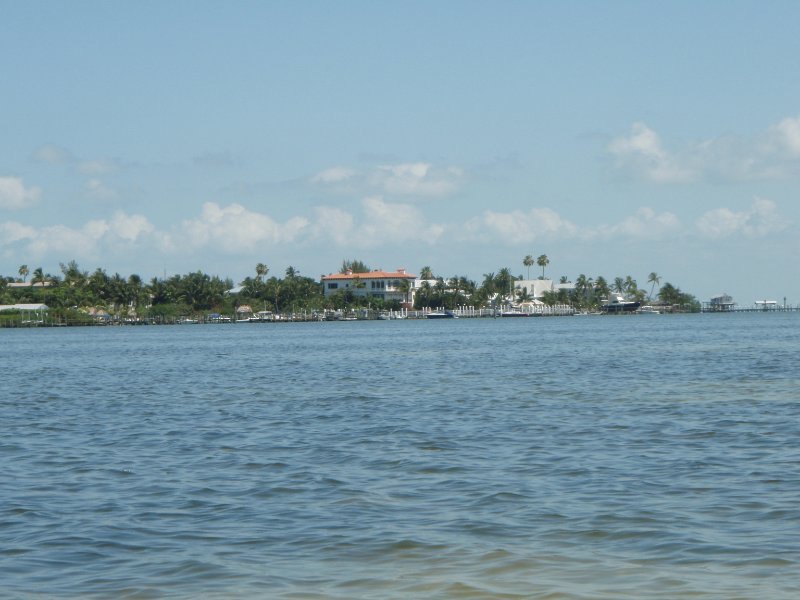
426	273
630	285
669	294
159	292
38	277
505	282
655	279
523	295
135	289
543	261
404	286
23	272
73	275
601	287
489	283
528	262
261	271
619	285
583	288
467	286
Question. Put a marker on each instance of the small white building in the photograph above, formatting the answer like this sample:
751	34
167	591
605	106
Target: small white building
385	285
29	284
537	287
25	307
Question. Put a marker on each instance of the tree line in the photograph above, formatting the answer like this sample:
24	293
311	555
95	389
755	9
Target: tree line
74	289
586	293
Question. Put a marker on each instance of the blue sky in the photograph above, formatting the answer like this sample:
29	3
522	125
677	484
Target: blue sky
618	138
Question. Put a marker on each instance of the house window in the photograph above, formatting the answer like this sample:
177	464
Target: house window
333	286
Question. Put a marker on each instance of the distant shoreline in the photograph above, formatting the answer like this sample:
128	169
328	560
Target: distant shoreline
29	322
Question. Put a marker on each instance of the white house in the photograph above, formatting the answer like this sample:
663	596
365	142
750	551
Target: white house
385	285
537	287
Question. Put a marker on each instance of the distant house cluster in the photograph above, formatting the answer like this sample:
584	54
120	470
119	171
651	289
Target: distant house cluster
385	285
403	286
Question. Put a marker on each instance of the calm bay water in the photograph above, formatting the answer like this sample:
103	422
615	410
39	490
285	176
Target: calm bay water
562	458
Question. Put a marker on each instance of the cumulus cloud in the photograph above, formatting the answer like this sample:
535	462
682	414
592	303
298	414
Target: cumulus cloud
525	227
642	153
98	189
129	227
645	223
395	222
760	219
12	232
334	224
418	179
786	134
235	228
769	155
379	222
15	196
91	239
517	226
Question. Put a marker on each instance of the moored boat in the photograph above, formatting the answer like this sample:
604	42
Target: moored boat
442	314
618	304
514	312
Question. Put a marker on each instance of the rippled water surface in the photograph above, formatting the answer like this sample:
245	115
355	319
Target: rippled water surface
562	458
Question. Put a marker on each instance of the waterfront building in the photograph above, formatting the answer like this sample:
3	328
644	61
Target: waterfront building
537	287
721	303
386	285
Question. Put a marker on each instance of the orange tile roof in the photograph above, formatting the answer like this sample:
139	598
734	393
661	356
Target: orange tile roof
371	275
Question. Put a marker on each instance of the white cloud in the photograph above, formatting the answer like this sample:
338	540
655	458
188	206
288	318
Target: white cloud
405	179
760	220
416	179
100	190
94	237
12	232
770	155
129	227
235	228
525	227
787	135
394	222
334	224
642	153
14	195
517	227
644	224
380	222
